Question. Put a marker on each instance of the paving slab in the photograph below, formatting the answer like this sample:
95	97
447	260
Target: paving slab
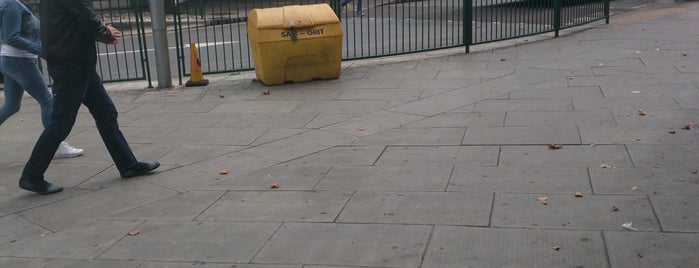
277	206
183	207
418	208
342	156
522	135
519	180
299	145
179	119
644	181
634	134
560	118
17	228
440	156
414	136
524	105
267	120
188	154
566	211
460	119
660	155
456	246
676	213
341	106
64	263
372	123
212	136
380	245
566	156
300	94
193	241
644	249
288	176
173	107
385	178
149	264
86	240
557	92
327	119
253	107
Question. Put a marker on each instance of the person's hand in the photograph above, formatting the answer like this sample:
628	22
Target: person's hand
116	35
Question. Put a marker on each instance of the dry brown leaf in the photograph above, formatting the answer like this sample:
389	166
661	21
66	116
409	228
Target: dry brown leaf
221	96
672	132
134	232
684	54
638	139
555	146
266	92
274	185
503	59
556	247
543	200
571	78
694	171
578	194
361	128
223	171
641	112
615	209
688	126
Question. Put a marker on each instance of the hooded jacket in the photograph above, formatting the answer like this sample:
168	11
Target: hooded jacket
69	31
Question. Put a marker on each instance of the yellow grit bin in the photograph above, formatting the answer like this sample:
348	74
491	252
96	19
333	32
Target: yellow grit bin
295	43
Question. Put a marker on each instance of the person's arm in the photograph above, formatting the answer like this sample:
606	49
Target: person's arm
11	27
89	23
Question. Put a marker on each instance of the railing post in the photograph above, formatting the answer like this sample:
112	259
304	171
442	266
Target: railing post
468	24
606	11
557	16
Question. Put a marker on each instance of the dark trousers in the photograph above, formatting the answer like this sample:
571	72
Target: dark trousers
71	87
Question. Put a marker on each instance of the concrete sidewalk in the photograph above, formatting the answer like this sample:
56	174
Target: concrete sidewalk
434	161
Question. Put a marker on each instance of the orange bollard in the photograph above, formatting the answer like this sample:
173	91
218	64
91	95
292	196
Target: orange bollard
196	77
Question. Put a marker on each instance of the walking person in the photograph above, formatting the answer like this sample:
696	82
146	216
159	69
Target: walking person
19	47
70	29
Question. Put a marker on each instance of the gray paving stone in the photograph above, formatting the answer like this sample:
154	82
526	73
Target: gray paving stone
557	92
386	178
187	154
688	102
454	246
565	211
64	263
673	155
646	181
299	145
178	94
522	135
442	156
212	136
418	208
460	73
635	134
140	134
676	213
379	94
253	107
625	104
567	156
671	119
16	228
560	118
277	206
341	106
300	93
207	172
460	119
409	73
524	105
267	120
342	156
648	90
71	175
442	83
347	244
276	134
87	240
214	265
414	136
519	180
643	249
182	206
16	152
434	105
95	205
174	107
179	119
326	119
356	83
193	241
372	123
289	177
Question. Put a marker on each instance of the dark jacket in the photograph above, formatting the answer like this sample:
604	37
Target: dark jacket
69	29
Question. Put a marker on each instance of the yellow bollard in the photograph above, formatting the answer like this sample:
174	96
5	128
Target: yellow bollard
196	77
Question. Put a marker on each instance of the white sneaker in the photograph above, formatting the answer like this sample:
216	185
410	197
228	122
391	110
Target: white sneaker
66	151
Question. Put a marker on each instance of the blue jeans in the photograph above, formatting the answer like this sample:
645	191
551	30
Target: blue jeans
23	74
71	87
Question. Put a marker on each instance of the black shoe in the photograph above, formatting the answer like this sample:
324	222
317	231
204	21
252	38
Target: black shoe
40	187
139	169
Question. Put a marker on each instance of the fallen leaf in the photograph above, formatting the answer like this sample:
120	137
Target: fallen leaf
223	171
571	78
221	96
638	139
361	128
641	112
684	54
543	200
615	209
555	146
688	126
578	194
266	92
556	247
694	171
503	59
274	185
672	132
525	40
134	232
